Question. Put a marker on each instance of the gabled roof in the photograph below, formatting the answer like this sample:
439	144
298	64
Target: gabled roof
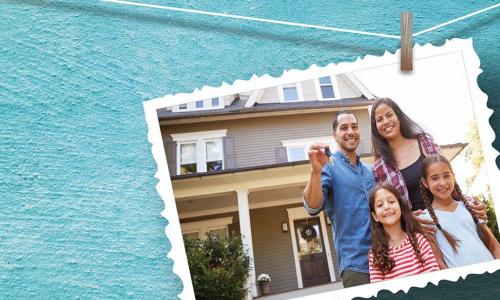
238	107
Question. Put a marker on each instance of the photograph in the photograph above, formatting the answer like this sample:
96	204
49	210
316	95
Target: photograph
331	178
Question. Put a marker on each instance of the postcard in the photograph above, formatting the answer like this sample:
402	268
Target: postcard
240	167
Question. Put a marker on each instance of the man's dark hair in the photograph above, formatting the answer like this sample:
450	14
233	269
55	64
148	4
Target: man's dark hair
335	122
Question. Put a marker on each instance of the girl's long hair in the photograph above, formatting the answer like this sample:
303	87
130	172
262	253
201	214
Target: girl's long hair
429	198
409	129
380	238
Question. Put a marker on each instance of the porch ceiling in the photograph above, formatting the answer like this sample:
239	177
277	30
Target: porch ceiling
224	203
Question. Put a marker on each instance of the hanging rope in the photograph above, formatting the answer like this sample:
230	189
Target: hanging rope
328	28
456	20
202	12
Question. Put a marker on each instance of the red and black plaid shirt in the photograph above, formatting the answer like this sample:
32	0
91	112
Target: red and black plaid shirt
390	174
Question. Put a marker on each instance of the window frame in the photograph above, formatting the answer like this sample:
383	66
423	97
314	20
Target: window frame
335	88
281	92
305	143
203	227
200	140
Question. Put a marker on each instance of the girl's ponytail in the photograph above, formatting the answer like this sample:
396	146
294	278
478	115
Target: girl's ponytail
427	197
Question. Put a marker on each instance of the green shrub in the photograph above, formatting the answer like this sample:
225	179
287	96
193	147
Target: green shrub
219	267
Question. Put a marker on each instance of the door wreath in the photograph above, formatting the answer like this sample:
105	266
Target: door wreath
308	232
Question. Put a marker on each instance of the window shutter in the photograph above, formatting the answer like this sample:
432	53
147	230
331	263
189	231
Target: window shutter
171	151
229	158
281	155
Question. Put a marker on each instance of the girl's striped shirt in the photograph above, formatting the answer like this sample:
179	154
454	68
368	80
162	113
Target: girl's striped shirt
406	260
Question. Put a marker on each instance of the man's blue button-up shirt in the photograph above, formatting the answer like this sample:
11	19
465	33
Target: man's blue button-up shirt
346	189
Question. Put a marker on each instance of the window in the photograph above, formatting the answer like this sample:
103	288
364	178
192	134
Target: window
199	151
214	155
188	158
297	149
290	92
296	153
195	235
200	229
326	88
220	232
212	103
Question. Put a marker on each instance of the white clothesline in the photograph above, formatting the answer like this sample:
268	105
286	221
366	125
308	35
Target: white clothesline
328	28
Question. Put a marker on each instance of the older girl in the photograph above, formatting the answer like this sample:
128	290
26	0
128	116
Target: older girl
462	238
398	247
400	146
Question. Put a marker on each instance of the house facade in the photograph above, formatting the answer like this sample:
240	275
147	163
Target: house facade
238	165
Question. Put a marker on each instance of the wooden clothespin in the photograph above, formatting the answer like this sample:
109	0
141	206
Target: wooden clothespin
406	43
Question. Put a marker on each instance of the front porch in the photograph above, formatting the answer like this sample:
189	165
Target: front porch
265	206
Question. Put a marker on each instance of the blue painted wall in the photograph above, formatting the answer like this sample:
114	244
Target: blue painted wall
79	213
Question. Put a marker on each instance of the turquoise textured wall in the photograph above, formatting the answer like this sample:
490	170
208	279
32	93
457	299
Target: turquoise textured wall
79	213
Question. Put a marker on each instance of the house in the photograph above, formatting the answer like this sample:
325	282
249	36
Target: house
238	165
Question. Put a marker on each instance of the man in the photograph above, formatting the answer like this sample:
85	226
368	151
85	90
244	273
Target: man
341	186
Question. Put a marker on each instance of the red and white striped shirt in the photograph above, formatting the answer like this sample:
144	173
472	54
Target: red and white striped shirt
406	260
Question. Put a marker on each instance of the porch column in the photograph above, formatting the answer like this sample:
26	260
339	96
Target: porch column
246	232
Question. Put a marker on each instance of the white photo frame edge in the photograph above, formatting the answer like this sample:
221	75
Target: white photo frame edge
482	113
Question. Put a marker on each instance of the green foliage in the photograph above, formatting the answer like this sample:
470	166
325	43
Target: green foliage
219	267
490	212
473	152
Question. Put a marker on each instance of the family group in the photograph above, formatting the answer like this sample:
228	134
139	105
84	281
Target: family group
404	215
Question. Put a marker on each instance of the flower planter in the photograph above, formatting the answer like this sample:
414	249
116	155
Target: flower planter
265	288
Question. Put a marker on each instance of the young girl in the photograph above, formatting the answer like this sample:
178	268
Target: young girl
398	247
463	240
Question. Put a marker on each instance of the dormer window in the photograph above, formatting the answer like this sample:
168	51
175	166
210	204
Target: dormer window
290	92
205	104
326	87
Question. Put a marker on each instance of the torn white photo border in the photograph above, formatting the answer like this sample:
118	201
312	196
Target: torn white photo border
458	48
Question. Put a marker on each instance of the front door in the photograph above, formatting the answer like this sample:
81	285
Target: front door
312	256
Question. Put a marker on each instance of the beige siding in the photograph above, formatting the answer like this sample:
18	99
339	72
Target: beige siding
272	248
256	139
270	95
347	90
309	90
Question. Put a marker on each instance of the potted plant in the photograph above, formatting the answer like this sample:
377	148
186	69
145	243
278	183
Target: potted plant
264	281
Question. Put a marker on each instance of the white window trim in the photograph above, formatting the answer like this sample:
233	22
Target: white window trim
191	136
298	85
200	139
207	105
335	86
202	227
305	143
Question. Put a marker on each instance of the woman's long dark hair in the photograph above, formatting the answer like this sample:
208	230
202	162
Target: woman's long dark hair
380	238
428	198
409	129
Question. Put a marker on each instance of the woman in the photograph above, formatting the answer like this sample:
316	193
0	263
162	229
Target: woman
400	146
